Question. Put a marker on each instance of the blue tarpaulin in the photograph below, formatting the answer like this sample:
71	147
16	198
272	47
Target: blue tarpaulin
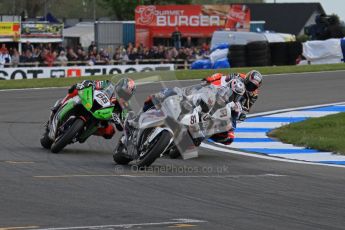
49	18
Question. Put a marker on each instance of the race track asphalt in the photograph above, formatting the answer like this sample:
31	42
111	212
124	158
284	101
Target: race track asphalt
83	187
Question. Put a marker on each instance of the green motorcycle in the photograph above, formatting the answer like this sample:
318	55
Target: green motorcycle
79	117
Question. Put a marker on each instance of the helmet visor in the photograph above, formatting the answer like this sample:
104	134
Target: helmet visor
250	86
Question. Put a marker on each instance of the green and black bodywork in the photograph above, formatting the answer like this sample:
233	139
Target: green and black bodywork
79	117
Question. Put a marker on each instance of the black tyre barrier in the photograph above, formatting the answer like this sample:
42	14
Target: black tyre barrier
237	55
261	53
238	63
295	49
258	45
258	53
258	62
279	53
237	48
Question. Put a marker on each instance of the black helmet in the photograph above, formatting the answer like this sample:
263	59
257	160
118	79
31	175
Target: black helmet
125	88
253	80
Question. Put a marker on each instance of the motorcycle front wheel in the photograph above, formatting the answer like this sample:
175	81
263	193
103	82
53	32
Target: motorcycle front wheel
67	136
155	151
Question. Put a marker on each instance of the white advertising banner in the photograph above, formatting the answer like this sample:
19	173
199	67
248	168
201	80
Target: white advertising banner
77	71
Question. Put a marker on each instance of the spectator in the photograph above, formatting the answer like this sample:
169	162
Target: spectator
72	56
81	56
15	58
161	52
45	55
182	54
133	55
49	47
147	54
41	59
62	58
36	53
30	58
7	58
3	49
50	58
91	46
28	46
176	38
189	42
60	48
2	60
117	54
104	56
98	60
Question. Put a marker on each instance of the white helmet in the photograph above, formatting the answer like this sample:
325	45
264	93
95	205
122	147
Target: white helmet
238	89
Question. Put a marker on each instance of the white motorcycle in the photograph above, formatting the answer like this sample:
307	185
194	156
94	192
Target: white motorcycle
174	122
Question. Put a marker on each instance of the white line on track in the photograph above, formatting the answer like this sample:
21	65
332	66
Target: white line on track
161	176
293	109
126	226
261	156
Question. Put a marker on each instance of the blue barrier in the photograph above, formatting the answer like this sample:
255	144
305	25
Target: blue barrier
220	46
221	64
342	45
201	64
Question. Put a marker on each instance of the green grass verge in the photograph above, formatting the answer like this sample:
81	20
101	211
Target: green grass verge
167	75
325	133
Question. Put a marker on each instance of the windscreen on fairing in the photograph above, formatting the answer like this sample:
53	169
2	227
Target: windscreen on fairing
180	106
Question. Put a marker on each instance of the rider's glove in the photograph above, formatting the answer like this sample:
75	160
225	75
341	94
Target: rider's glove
242	117
117	122
236	107
80	86
205	117
71	89
84	84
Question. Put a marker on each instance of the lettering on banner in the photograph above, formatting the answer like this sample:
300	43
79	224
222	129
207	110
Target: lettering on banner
73	72
3	75
35	72
57	73
62	72
18	72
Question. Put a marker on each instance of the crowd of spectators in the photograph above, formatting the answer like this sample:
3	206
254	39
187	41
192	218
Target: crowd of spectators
58	55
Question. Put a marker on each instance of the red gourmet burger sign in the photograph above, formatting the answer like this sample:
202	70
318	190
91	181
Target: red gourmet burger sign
191	20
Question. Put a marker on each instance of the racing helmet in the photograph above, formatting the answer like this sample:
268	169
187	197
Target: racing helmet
253	80
125	88
238	89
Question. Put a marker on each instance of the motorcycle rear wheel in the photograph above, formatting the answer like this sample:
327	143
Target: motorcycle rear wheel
119	157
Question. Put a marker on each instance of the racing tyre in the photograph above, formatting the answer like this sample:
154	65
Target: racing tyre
155	151
68	136
45	141
119	157
174	153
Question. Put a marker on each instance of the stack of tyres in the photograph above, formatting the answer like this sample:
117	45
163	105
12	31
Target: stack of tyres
295	49
237	55
279	53
258	53
285	53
